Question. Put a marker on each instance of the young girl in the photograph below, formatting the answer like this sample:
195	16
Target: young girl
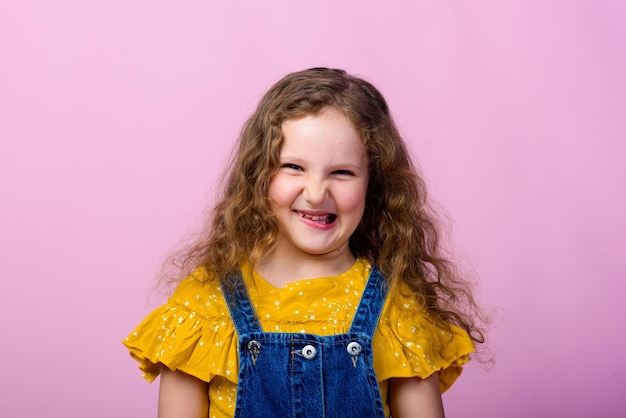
319	289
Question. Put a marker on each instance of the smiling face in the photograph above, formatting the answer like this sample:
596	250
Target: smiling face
318	193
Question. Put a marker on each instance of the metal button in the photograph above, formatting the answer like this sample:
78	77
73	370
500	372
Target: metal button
254	348
309	352
354	348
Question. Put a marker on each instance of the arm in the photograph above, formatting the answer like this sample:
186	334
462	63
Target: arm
415	397
182	395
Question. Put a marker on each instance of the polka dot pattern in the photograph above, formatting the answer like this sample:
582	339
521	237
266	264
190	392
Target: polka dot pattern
193	332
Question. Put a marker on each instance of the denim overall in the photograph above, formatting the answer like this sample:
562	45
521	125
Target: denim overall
304	375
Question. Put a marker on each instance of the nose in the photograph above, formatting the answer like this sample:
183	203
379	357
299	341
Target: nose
315	190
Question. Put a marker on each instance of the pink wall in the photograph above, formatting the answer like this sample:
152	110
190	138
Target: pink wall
115	118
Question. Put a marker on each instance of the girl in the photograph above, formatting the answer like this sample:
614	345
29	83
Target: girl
319	288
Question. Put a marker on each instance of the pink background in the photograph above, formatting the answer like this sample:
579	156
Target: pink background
116	117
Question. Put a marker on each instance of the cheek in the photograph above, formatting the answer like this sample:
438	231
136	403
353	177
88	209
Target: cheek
279	192
353	200
273	187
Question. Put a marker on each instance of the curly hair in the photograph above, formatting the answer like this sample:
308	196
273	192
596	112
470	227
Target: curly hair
399	232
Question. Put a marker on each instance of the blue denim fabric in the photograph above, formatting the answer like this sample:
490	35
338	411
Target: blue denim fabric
304	375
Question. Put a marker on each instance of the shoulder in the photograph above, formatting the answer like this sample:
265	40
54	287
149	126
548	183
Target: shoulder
189	333
200	293
409	343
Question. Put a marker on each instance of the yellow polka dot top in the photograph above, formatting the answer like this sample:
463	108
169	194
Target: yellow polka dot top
193	332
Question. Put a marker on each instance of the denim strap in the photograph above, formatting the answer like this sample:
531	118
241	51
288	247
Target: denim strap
241	310
371	305
365	320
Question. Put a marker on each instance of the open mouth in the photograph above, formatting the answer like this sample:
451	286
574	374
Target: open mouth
324	219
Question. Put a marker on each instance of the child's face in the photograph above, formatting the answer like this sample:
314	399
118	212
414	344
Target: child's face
318	193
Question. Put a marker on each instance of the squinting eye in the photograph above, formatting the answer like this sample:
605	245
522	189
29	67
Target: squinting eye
344	172
291	166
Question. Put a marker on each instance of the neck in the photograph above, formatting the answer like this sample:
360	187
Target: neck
281	267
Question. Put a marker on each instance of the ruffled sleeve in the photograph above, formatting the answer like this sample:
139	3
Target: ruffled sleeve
407	344
191	333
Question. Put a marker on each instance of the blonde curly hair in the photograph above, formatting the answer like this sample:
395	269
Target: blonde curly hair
399	231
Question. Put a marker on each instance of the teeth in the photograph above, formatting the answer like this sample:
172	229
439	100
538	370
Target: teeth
317	218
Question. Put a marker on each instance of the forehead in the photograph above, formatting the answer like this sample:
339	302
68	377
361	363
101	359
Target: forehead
326	112
328	130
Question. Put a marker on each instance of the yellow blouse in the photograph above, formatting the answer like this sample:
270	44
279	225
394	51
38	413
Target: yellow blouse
193	332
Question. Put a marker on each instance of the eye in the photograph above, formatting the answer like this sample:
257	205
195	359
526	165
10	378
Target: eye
291	166
343	172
